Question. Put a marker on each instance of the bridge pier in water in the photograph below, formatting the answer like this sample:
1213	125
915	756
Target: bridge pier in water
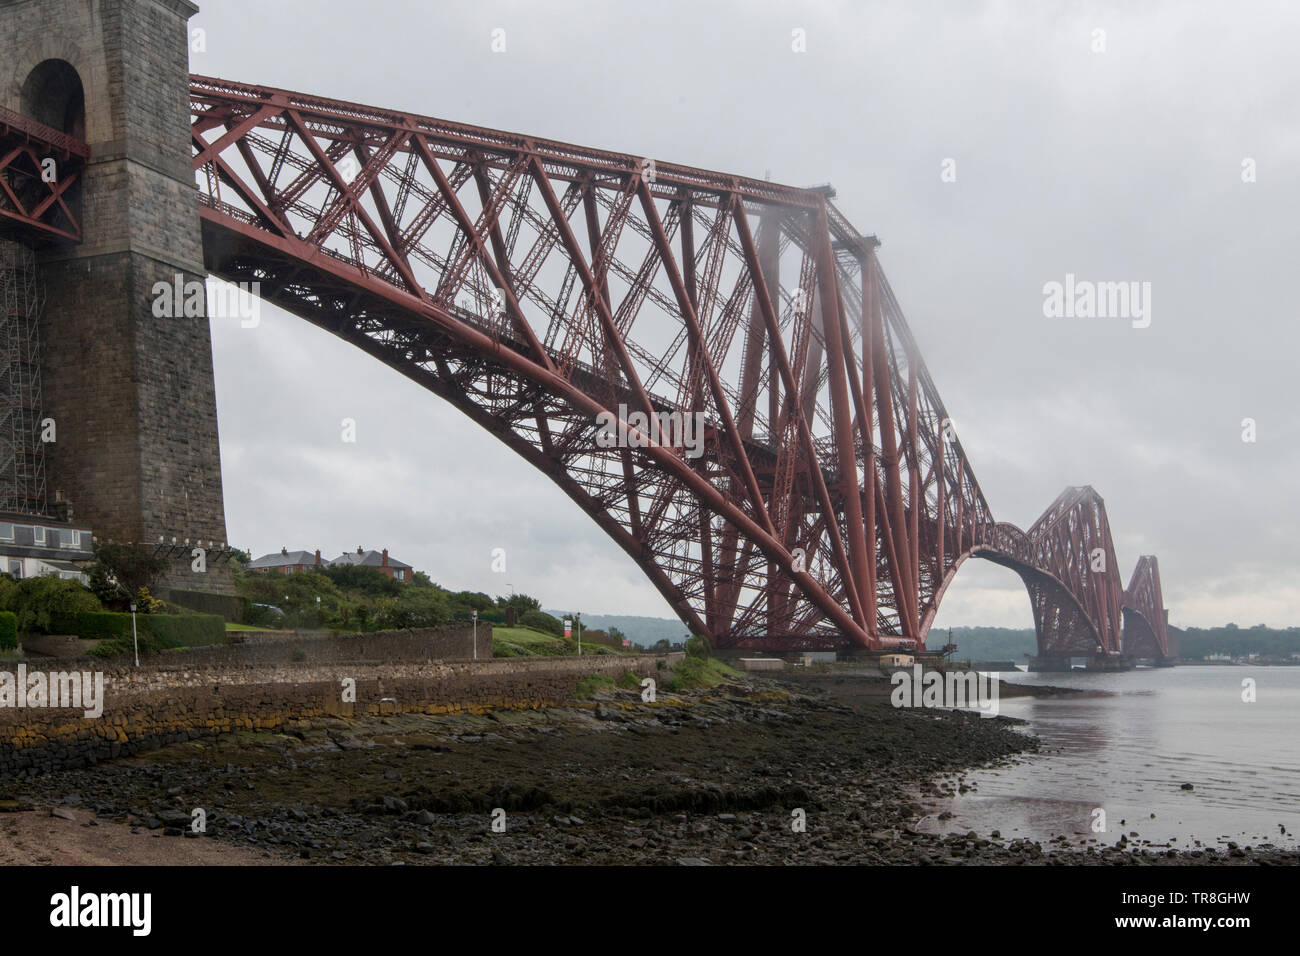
1098	662
130	391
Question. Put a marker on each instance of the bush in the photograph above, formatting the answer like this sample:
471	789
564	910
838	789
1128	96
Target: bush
8	631
414	607
232	607
473	601
541	621
125	647
259	615
49	604
102	625
155	631
185	630
698	646
490	617
593	684
146	603
356	577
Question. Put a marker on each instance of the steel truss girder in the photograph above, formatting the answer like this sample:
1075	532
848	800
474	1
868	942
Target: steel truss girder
40	173
1146	629
536	285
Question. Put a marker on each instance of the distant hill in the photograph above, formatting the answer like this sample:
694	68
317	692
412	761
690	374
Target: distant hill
640	630
987	643
973	643
998	643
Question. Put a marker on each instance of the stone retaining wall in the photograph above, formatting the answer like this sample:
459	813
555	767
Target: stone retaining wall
163	704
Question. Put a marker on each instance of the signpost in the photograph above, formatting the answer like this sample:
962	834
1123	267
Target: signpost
134	639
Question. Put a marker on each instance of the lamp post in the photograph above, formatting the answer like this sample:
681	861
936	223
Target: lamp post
474	617
134	638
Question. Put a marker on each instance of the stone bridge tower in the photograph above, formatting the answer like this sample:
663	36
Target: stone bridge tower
136	452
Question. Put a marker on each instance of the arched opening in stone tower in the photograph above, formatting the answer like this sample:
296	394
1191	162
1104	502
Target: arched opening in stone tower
53	95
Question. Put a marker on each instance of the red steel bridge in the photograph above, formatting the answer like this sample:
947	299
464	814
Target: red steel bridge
535	285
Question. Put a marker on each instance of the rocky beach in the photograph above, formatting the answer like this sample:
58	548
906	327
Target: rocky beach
809	768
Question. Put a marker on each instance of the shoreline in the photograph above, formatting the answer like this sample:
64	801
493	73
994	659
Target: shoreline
710	777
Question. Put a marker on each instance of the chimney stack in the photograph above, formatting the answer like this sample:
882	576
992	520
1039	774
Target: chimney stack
318	557
384	563
284	551
358	549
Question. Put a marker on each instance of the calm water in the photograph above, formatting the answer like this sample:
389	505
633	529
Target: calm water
1129	750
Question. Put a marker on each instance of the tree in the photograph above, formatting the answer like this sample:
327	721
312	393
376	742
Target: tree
355	577
121	570
521	603
472	600
697	646
309	599
415	607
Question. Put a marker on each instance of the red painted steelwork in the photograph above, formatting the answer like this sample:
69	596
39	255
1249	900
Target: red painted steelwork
37	198
1146	630
536	285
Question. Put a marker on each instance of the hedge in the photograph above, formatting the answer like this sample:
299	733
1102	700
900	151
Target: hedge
167	630
8	630
232	607
492	617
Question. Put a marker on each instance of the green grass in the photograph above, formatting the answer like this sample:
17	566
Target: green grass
591	685
522	641
232	626
526	642
696	673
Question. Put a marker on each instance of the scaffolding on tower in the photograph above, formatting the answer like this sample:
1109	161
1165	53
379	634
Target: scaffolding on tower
22	450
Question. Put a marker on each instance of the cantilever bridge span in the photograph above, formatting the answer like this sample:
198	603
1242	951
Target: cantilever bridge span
535	285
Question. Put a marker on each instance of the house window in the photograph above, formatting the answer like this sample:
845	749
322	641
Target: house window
70	539
38	535
397	573
6	531
16	569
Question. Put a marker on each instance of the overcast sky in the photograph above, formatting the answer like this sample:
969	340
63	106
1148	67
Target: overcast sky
1114	155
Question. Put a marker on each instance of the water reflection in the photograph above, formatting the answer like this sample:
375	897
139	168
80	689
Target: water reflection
1130	750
